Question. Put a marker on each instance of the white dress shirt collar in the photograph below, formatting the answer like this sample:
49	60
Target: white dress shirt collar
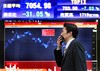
68	43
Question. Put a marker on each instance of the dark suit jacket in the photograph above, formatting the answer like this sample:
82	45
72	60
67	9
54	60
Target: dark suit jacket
74	58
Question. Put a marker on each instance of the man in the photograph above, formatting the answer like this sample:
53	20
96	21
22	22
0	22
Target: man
73	58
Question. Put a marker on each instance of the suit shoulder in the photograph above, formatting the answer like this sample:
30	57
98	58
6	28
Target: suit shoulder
77	44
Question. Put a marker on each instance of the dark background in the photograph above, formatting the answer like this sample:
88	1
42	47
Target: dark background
98	46
1	44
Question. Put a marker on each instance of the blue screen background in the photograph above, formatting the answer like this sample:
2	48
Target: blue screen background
28	44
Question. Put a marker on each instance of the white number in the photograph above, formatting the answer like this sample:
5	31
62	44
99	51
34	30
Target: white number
28	14
33	5
39	13
47	5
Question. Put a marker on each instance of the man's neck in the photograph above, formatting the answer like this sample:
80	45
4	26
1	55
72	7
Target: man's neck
69	39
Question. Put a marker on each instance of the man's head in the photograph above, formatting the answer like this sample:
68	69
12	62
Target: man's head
69	31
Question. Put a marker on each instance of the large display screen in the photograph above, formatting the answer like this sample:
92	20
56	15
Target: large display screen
32	44
39	43
51	9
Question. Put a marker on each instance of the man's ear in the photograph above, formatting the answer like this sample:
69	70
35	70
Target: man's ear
70	33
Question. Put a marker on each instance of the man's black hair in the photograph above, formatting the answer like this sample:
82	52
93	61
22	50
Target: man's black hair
71	28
